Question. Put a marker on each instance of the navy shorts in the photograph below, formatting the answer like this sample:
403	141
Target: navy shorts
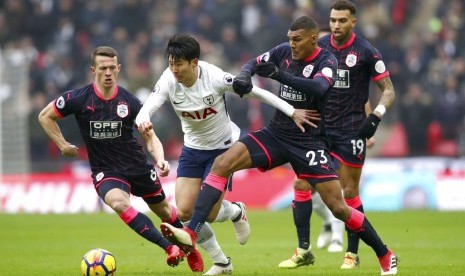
310	161
349	150
146	185
195	163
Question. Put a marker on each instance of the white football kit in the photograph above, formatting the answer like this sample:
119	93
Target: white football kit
201	107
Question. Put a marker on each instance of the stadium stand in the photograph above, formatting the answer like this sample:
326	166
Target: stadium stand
420	40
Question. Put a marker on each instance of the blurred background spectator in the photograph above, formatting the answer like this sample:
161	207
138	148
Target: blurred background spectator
422	43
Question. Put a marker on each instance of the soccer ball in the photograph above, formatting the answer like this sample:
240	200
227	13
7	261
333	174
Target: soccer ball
98	262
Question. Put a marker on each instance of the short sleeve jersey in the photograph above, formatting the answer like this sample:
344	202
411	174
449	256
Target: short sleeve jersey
311	67
106	127
201	107
358	63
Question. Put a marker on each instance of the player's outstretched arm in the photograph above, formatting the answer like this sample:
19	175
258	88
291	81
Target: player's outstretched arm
47	119
151	104
155	148
301	117
316	86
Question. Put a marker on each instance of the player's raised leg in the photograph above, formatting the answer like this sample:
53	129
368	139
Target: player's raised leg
234	159
358	223
119	201
236	213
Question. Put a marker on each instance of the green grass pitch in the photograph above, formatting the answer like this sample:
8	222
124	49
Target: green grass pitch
427	243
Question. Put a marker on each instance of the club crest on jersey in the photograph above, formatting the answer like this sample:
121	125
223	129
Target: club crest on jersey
208	100
351	60
307	70
122	110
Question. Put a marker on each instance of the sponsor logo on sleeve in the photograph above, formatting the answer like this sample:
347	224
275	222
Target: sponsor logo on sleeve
156	89
228	79
327	72
60	102
380	67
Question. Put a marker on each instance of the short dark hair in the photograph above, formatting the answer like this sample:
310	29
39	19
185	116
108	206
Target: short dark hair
106	51
182	46
304	22
341	5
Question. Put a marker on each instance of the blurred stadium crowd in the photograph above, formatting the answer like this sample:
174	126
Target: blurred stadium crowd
422	42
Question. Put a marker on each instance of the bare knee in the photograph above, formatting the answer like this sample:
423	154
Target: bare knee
341	211
119	205
301	185
221	166
350	192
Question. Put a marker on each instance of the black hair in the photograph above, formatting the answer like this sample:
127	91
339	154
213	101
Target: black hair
304	22
182	47
341	5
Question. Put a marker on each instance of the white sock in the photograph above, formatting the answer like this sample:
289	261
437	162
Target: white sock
227	211
337	229
320	208
206	239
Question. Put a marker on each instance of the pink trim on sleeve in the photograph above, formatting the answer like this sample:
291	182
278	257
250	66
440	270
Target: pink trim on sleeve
56	110
381	76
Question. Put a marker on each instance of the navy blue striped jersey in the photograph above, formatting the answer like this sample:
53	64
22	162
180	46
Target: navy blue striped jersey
358	63
107	127
321	66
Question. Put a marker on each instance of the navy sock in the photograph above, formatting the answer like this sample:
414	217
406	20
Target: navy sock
208	196
143	226
368	234
302	211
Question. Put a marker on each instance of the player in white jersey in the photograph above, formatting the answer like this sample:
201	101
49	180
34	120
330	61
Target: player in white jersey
196	90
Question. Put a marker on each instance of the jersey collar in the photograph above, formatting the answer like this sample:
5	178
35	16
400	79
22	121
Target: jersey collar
99	94
200	72
347	44
313	55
